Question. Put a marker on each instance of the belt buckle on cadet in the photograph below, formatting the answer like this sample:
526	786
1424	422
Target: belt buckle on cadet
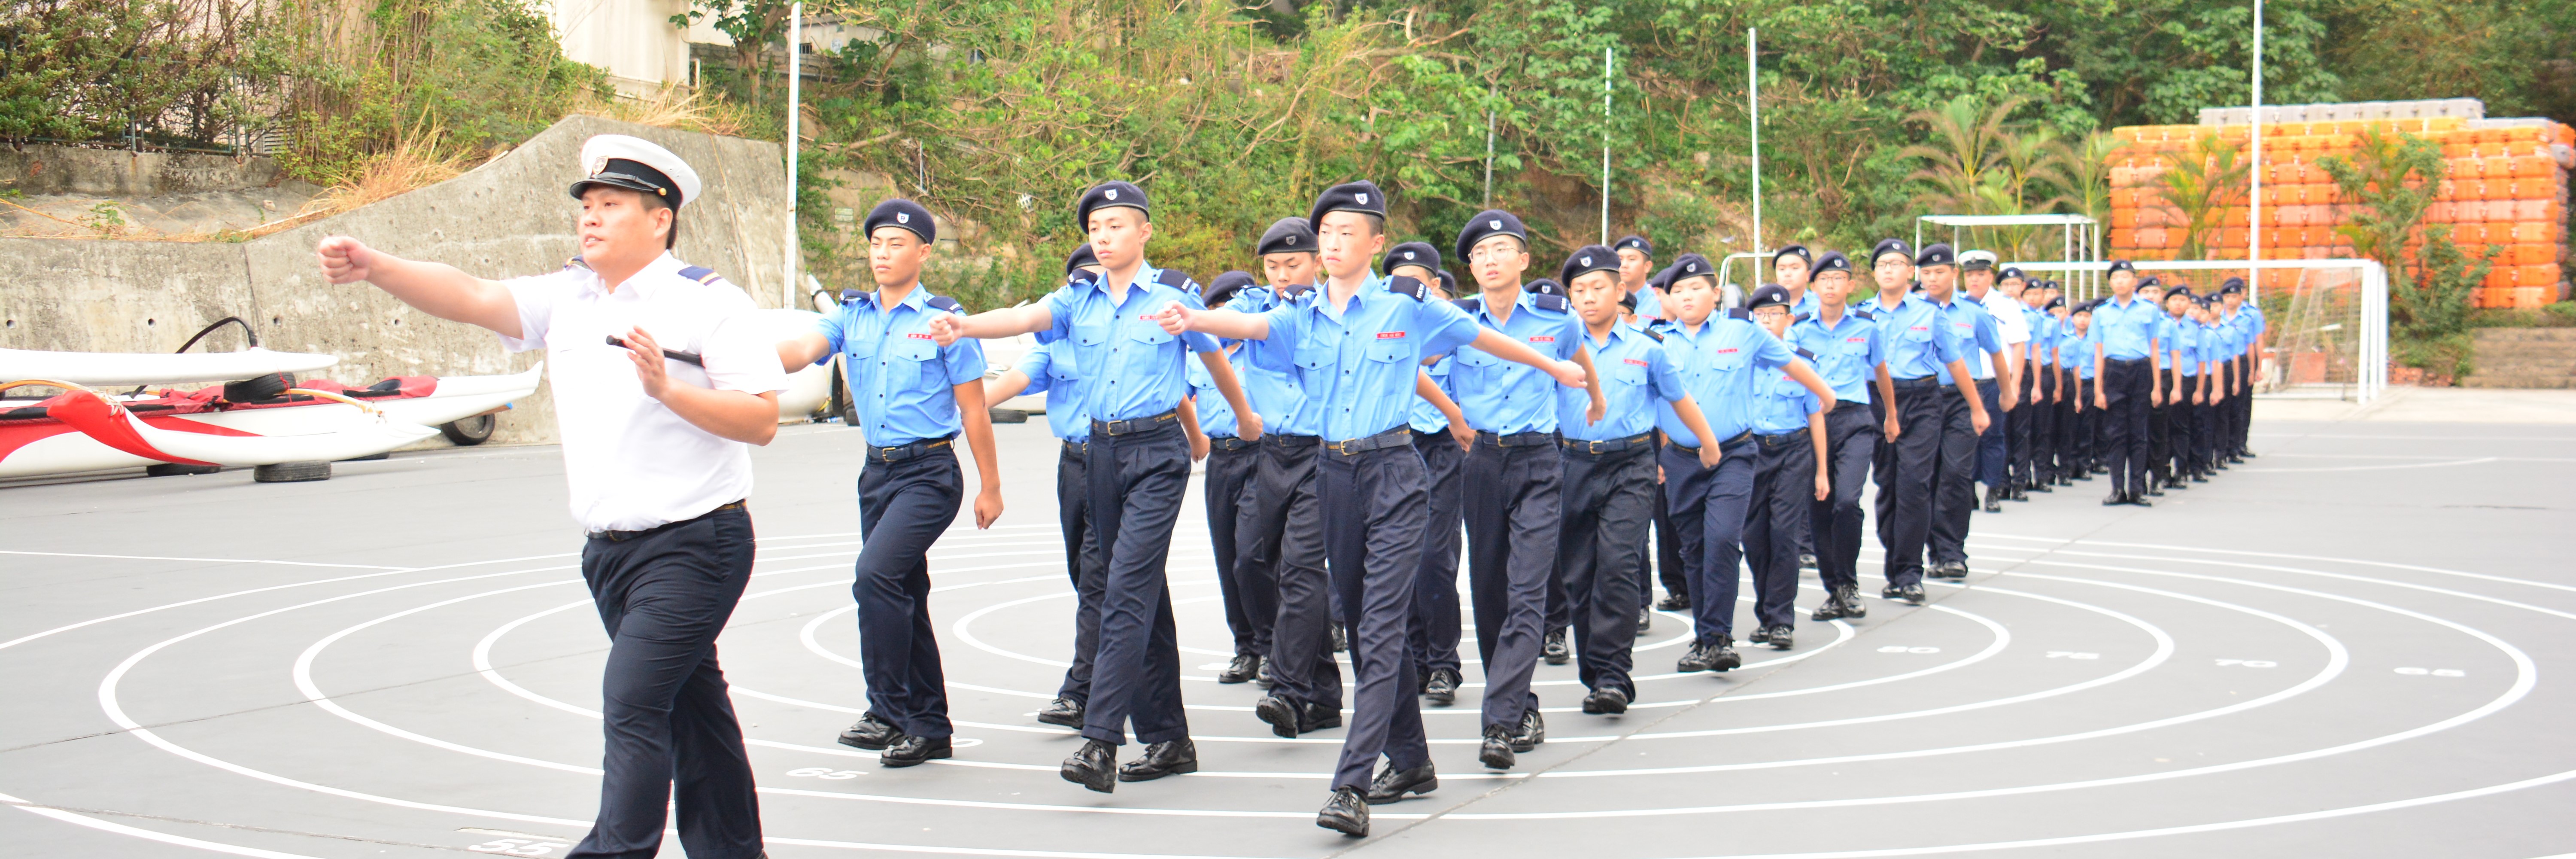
1593	447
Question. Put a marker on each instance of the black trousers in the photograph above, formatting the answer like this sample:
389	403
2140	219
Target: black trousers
2181	425
2127	385
2021	424
1513	513
1601	548
1084	562
1376	550
1993	448
672	740
1251	597
1282	530
1954	478
1906	467
2096	429
1668	553
1433	637
2160	427
2244	417
1775	526
2204	433
1137	482
2036	428
903	508
1851	440
1710	506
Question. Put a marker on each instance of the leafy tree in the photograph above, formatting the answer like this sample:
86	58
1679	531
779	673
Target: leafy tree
2201	182
2430	281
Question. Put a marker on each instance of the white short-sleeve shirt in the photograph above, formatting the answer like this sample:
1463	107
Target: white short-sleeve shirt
2009	325
631	462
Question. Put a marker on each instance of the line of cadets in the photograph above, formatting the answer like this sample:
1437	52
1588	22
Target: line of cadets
1355	410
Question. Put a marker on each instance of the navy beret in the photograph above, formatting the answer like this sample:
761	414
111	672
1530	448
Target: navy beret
1487	224
1448	283
2181	289
2121	265
1226	286
1411	253
1361	196
1689	265
1662	278
1637	243
1800	251
1767	295
1936	253
1544	286
1588	259
1891	246
2233	284
2054	303
902	213
2012	274
1833	261
1082	255
1110	195
1286	236
2149	280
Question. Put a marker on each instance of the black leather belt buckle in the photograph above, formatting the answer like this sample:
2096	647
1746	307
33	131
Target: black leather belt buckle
1364	444
1228	443
901	452
1781	439
1132	426
1614	445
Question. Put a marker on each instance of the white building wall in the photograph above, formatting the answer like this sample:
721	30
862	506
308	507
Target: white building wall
633	39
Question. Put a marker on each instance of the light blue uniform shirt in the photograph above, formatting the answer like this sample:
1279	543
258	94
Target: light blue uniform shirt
2185	346
1427	417
1272	394
1133	366
1781	405
2043	331
1911	332
1719	365
900	380
2075	351
1808	304
1216	416
1635	372
1063	392
2122	330
2227	343
1358	369
1972	328
1507	398
1847	354
1649	305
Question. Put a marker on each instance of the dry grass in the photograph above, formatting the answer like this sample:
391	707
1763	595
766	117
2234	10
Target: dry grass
417	162
670	107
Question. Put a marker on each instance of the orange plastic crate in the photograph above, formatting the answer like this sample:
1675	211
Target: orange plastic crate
2543	274
2531	297
2532	254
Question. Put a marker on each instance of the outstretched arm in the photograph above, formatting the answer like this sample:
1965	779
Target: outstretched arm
992	324
1229	324
437	289
1568	373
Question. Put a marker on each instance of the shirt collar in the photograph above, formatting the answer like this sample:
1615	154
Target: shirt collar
644	279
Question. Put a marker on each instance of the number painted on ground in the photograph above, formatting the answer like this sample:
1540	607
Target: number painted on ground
2072	654
519	847
826	773
2250	663
2435	672
1900	648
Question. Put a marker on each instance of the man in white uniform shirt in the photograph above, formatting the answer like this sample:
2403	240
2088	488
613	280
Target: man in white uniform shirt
660	384
1977	271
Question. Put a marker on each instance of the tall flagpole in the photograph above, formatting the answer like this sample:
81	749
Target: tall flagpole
1753	104
2254	221
795	75
1605	145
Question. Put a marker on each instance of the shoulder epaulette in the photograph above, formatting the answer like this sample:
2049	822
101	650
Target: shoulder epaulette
1803	353
1652	334
1544	301
850	295
701	274
576	261
1467	304
1175	279
1865	315
1291	293
1793	320
945	303
1408	285
1739	313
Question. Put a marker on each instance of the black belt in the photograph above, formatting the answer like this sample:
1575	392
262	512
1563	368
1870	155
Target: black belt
1917	382
2123	362
901	452
1846	405
1525	439
1077	448
620	536
1289	441
1739	438
1644	439
1397	437
1132	426
1792	437
1228	443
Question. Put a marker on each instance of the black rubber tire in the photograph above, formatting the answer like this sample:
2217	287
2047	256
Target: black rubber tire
292	472
256	388
842	405
468	432
173	469
1009	416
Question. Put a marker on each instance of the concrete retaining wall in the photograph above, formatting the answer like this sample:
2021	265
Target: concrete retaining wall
507	218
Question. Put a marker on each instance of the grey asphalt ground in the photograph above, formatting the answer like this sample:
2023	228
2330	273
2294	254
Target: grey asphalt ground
2349	647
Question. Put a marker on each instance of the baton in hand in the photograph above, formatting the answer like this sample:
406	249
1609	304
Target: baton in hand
683	357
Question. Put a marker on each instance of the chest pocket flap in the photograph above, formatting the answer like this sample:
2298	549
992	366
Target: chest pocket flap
909	349
1391	350
1149	334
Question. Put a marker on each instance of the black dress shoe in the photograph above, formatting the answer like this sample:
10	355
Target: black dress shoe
2200	478
2046	486
1341	640
1911	594
1694	660
1280	713
872	733
1496	753
1240	670
1347	813
1094	766
2155	490
1261	676
1316	717
2140	500
1834	606
1392	784
1722	656
1442	691
1994	500
1175	757
1607	700
912	750
2115	499
1852	606
1553	650
1781	636
1674	602
1645	619
1061	711
1806	561
1760	634
1533	731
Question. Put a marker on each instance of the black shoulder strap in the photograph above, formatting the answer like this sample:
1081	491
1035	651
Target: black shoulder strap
1740	313
1797	319
1652	334
1467	304
1173	278
945	303
1291	293
1865	316
1803	353
576	261
1545	301
1408	285
701	274
850	295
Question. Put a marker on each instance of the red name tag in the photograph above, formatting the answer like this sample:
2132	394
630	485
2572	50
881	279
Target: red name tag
1857	340
1726	351
1149	317
1542	339
1922	328
918	336
1633	361
1390	335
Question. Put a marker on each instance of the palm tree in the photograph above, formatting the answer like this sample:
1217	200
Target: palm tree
2024	162
1967	143
2082	173
2201	182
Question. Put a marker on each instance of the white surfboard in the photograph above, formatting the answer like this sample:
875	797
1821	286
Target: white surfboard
109	369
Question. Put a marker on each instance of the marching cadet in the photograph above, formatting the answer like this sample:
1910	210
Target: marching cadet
1609	481
2250	327
1636	266
1954	485
913	398
1358	350
1039	373
1788	475
1442	436
1282	530
1793	267
2085	430
2123	342
657	461
1669	567
2032	431
1851	356
1139	470
1908	462
1251	597
2216	341
2181	339
2004	369
1513	508
2159	417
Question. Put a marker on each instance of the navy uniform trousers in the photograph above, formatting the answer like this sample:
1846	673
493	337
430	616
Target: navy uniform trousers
2241	418
672	740
1904	468
1954	480
1251	597
903	508
1376	550
1994	451
1137	481
1513	514
1083	562
1709	507
1281	534
1668	550
2127	384
2019	423
2205	423
1776	523
2032	427
1834	524
1433	638
1609	501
